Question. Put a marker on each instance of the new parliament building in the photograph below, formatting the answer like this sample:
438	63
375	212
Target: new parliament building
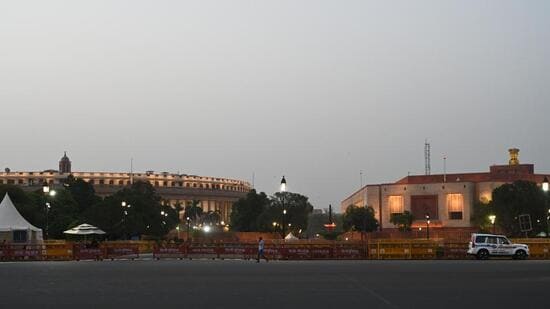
448	199
214	193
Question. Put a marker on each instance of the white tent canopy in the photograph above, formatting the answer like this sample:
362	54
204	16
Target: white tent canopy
84	229
291	237
11	219
13	227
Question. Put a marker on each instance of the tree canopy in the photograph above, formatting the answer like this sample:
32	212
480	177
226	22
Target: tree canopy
257	212
521	197
360	219
76	202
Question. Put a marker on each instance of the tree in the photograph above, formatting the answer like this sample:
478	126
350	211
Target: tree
62	214
297	208
82	192
246	212
144	214
403	221
193	211
512	200
360	219
480	215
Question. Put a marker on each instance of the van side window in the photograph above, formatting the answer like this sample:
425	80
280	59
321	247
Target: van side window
503	241
492	240
480	239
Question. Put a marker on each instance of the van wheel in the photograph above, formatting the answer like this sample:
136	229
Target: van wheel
482	254
520	255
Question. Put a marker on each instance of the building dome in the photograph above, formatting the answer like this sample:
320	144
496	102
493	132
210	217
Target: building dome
65	164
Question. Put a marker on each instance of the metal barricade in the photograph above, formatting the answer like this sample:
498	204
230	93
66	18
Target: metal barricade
170	252
121	252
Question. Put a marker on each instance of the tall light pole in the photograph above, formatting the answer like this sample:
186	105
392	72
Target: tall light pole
188	222
283	190
493	218
47	206
428	226
545	188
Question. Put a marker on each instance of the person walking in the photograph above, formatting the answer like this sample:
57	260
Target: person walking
261	246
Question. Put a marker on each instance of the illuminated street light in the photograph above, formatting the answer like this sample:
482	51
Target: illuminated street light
545	187
283	184
51	193
283	190
206	228
493	218
428	226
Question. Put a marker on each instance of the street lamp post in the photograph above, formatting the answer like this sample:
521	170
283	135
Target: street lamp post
125	206
545	188
283	190
188	223
493	218
47	206
428	226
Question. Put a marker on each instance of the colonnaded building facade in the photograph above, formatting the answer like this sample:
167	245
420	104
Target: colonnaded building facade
214	193
448	199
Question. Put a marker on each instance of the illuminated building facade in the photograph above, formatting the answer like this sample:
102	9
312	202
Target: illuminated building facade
214	193
448	199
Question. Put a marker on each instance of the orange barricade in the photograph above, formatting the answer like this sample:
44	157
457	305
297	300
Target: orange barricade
121	252
321	253
170	251
25	252
349	252
58	252
4	253
204	251
82	253
292	252
455	251
232	251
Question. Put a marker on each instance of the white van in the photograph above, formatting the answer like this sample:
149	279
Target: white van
482	246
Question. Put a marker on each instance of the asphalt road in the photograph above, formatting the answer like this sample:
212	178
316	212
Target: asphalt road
277	284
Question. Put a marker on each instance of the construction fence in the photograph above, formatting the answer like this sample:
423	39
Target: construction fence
405	249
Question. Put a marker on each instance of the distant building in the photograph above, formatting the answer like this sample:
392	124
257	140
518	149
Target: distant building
447	198
214	193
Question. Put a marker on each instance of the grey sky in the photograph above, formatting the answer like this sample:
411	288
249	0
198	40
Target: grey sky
314	90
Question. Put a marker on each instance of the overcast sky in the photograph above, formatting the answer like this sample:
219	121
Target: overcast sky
314	90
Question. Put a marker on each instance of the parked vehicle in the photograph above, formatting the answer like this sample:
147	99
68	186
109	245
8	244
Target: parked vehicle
483	246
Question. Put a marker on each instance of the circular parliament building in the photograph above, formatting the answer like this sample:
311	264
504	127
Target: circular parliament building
213	193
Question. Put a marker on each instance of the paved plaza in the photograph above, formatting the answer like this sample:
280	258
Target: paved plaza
277	284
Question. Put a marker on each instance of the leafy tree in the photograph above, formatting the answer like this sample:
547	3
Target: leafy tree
512	200
82	192
247	211
360	219
62	214
144	213
480	215
211	217
193	211
403	221
297	208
